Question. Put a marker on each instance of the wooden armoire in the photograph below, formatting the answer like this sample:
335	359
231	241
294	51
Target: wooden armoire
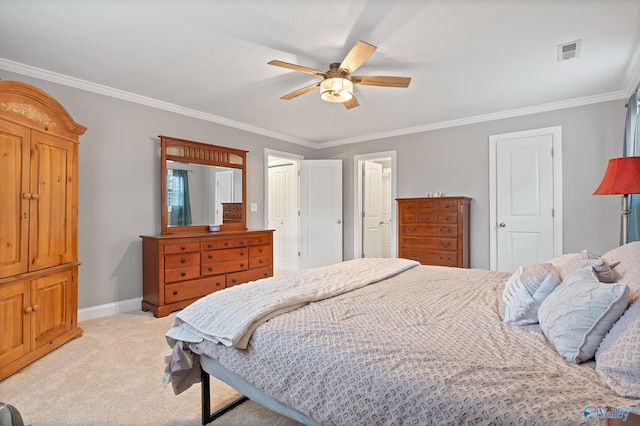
38	225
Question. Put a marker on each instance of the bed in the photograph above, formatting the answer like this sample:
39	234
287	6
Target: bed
390	342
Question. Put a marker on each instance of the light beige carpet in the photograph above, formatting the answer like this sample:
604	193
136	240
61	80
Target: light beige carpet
112	375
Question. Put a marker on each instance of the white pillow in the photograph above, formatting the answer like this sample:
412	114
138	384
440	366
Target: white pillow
618	356
579	312
525	290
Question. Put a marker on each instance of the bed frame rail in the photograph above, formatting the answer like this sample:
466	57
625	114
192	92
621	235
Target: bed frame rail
205	392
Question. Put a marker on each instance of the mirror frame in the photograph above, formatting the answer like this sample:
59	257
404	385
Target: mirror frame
206	154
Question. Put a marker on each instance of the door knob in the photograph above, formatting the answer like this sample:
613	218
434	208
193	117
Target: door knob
502	224
339	221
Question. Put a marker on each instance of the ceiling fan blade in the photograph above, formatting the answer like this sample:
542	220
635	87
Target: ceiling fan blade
299	92
296	67
381	80
351	103
356	56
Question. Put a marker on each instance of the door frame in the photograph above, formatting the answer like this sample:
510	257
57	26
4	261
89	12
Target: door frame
357	200
556	137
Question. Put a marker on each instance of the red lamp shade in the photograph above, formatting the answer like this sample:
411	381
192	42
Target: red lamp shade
622	177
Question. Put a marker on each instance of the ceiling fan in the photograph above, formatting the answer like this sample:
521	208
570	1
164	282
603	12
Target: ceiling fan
337	83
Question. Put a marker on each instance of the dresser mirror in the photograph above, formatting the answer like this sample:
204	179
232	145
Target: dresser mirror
202	185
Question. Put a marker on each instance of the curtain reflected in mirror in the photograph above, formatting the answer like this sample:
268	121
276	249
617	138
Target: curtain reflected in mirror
178	202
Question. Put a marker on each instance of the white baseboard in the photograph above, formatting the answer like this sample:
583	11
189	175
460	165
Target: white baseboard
109	309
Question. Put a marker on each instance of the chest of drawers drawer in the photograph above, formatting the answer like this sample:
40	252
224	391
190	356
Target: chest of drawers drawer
225	254
430	243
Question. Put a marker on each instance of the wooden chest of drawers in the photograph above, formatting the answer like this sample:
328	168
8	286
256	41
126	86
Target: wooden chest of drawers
232	213
434	231
179	269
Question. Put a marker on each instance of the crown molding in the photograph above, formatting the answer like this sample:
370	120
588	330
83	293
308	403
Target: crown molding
65	80
482	118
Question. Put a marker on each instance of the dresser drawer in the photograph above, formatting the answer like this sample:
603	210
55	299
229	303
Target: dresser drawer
182	247
431	243
263	250
435	230
261	239
431	257
189	290
209	245
172	261
232	242
447	217
226	254
250	275
181	274
259	261
224	267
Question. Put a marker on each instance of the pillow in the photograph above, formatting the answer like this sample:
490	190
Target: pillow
628	270
585	258
618	356
525	290
579	312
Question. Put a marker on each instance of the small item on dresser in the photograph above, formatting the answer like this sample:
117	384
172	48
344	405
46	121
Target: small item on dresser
214	228
428	195
437	194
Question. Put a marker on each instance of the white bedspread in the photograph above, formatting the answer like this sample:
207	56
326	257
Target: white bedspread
230	316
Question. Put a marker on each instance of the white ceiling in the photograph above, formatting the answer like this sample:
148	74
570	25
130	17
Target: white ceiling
469	60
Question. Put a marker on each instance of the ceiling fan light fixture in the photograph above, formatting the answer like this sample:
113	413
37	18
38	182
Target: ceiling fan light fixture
336	89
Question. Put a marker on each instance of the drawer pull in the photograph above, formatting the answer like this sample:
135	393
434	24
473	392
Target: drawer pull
260	251
210	269
209	246
210	256
218	284
183	248
175	292
233	280
183	260
266	274
226	244
242	265
260	261
182	274
241	253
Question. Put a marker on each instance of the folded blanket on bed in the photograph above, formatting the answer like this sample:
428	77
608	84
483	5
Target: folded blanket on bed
231	315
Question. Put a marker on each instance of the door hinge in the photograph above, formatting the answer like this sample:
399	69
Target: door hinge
298	254
553	212
362	214
552	151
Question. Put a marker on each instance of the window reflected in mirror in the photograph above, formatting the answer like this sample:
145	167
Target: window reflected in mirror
196	194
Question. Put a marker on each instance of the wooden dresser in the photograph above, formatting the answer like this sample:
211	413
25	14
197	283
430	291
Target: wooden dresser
178	269
434	231
38	225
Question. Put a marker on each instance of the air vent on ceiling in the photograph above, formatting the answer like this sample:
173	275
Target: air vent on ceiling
568	50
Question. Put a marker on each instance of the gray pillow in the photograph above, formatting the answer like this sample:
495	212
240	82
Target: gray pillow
525	290
577	315
585	258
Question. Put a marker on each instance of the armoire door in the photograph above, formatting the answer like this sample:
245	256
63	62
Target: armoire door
14	207
51	307
53	201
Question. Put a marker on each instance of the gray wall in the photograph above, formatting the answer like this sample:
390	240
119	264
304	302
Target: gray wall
456	162
119	185
120	177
